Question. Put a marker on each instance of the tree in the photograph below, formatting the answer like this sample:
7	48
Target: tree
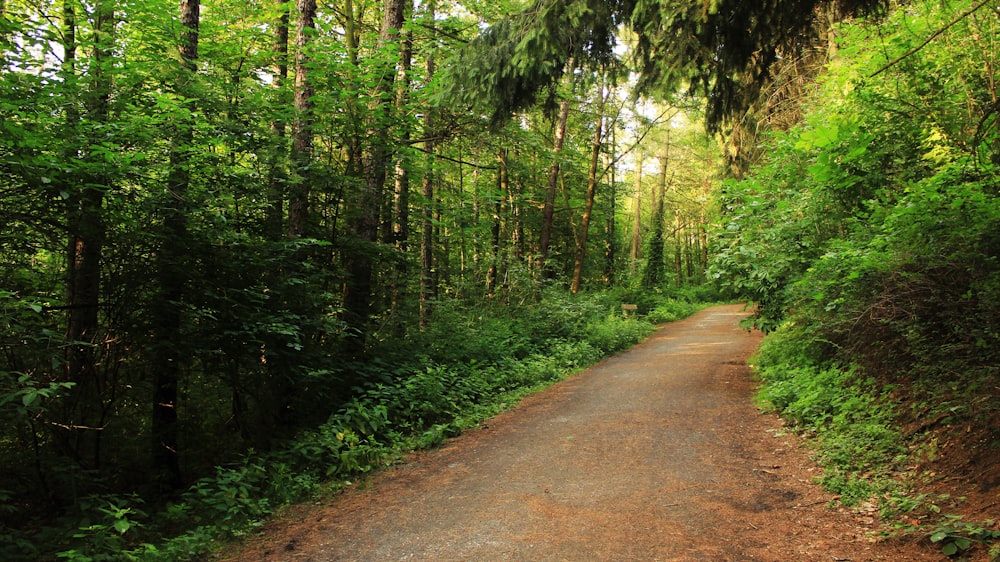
368	213
592	179
302	134
655	262
173	262
635	241
277	177
427	281
551	187
707	49
496	256
84	222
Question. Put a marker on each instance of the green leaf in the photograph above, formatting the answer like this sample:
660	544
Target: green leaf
122	525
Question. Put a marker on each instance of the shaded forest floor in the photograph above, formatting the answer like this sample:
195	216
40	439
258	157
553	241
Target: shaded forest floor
655	454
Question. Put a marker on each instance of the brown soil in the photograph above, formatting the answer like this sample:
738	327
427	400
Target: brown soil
654	454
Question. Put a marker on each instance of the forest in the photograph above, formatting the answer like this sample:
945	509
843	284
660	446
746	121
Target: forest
251	251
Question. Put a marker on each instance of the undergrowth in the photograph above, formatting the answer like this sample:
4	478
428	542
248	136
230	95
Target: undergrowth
849	418
855	425
469	367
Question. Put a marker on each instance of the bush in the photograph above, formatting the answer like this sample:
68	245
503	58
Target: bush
671	310
615	333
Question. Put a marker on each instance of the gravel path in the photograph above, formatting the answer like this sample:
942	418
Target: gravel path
654	454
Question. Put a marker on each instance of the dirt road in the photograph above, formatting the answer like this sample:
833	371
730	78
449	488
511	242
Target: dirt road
655	454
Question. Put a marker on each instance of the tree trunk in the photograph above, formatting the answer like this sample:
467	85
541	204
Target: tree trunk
86	234
689	242
278	175
168	355
355	135
678	248
703	234
609	229
302	130
401	198
548	210
401	194
517	231
358	300
635	248
427	281
5	35
493	274
595	154
655	262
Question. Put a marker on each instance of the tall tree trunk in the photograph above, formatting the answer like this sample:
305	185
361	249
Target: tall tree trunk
302	130
278	175
635	248
401	198
655	260
609	230
678	249
427	231
85	223
401	194
588	206
688	253
551	186
493	273
168	356
358	300
703	234
356	135
515	224
5	35
427	280
74	353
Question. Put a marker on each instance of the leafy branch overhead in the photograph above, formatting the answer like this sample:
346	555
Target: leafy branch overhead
723	50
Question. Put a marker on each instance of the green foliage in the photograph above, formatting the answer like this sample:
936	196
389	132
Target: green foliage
851	420
955	536
702	47
673	309
26	400
408	406
107	536
516	57
617	333
868	241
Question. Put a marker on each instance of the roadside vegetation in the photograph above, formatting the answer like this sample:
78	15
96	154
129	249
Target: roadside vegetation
251	252
478	363
252	249
868	236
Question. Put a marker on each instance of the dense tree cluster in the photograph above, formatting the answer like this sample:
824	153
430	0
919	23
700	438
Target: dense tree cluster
222	222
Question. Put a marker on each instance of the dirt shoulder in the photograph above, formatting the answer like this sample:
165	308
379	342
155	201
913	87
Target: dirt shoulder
654	454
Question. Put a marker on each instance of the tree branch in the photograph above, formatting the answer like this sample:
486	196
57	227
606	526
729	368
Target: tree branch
933	36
